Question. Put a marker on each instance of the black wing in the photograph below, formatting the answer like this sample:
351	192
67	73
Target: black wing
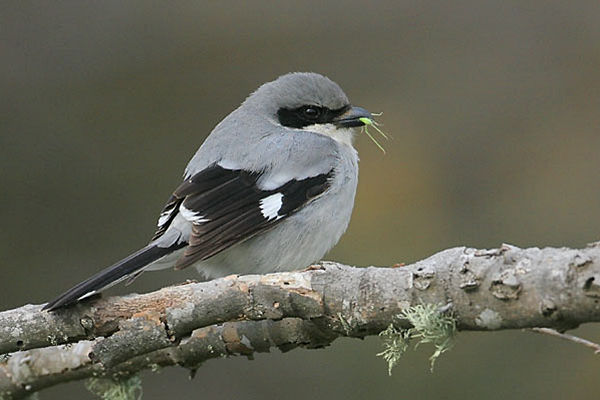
228	207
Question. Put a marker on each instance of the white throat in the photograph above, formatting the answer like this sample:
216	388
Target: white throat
341	135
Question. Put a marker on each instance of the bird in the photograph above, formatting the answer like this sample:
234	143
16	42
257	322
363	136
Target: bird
271	189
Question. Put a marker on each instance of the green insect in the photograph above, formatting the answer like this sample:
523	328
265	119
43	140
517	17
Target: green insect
371	122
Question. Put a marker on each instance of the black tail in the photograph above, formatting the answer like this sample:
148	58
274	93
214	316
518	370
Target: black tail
110	276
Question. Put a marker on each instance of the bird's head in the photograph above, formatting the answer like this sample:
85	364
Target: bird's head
309	102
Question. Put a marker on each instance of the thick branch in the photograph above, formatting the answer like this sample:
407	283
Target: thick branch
27	372
505	288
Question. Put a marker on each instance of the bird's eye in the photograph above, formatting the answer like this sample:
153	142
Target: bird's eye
311	112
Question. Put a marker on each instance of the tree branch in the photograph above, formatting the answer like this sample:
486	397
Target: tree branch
505	288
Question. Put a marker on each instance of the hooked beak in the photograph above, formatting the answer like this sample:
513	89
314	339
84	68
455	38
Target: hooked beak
352	118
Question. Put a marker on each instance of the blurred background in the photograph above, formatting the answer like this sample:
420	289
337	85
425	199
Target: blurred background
495	112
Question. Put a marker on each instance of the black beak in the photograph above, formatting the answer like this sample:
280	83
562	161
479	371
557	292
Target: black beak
352	118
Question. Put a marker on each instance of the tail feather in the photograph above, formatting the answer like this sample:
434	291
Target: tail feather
110	276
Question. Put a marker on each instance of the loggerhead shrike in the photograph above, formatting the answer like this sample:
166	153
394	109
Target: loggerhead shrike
271	189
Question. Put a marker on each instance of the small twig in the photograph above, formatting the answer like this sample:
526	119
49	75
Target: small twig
570	338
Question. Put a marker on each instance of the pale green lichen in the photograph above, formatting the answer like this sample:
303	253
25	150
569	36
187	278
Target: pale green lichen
429	325
155	368
116	389
345	324
395	343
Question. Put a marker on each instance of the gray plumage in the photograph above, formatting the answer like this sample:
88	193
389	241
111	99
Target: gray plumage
285	176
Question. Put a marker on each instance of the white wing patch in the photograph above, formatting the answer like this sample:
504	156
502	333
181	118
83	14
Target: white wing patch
164	217
192	216
270	206
166	214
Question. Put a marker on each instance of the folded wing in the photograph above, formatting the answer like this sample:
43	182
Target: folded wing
227	207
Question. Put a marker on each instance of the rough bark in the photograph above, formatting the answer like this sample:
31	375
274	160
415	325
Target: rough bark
505	288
